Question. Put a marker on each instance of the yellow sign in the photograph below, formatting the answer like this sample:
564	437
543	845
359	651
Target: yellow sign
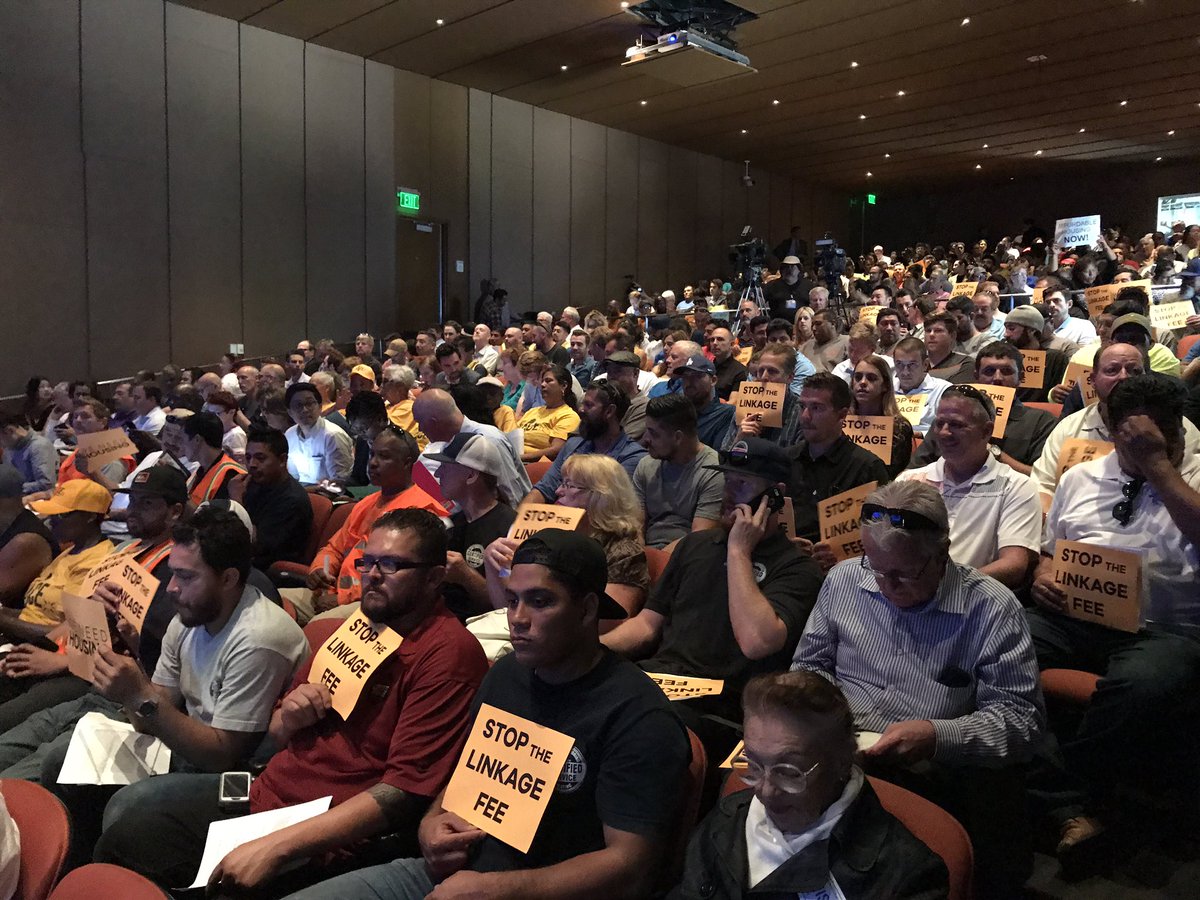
1077	373
1077	450
1002	398
874	433
965	289
1169	316
347	659
1102	585
869	314
840	520
88	634
135	588
737	751
105	569
1035	368
912	407
102	447
1037	295
683	687
1099	296
533	517
762	399
507	773
787	518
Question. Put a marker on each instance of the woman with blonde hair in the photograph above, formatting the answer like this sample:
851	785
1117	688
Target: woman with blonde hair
802	329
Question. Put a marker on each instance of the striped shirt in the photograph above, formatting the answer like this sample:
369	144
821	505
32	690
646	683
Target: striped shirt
964	661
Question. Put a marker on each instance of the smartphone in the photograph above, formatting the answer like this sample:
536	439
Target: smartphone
235	790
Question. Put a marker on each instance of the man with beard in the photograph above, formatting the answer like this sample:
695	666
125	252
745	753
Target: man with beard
382	763
600	413
789	291
733	600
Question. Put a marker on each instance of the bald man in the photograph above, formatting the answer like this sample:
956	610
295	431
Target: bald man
207	384
439	418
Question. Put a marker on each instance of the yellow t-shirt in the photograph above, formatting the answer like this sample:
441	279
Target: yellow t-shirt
65	574
1162	360
401	415
505	418
542	425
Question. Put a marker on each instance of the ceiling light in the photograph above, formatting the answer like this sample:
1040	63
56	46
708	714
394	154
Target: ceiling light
985	146
965	22
624	4
643	102
1082	130
1038	153
869	174
1158	159
1036	58
1171	132
978	166
887	156
853	64
440	22
861	116
564	68
899	93
1123	102
744	131
774	102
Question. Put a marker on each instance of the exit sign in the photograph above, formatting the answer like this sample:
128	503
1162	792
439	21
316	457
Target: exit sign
870	199
408	200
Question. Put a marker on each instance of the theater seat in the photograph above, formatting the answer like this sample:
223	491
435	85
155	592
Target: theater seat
1069	686
45	836
929	823
535	470
322	509
1185	344
101	880
656	562
1055	409
689	809
290	574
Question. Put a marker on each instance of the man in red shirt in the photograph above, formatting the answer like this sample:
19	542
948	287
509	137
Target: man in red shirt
382	764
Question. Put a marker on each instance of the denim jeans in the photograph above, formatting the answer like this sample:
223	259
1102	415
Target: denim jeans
401	879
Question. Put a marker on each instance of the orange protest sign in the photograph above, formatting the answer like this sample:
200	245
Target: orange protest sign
507	773
1078	450
349	656
1102	585
1077	373
102	447
839	517
88	634
1037	295
868	314
737	751
874	433
683	687
964	289
1002	398
1099	296
787	518
1035	368
912	407
533	517
762	399
1169	316
103	571
135	588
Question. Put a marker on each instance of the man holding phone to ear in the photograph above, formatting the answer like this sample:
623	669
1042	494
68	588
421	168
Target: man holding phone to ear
733	600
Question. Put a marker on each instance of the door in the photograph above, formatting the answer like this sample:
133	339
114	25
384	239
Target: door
420	273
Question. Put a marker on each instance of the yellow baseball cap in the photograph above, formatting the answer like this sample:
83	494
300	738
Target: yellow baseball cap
76	495
362	370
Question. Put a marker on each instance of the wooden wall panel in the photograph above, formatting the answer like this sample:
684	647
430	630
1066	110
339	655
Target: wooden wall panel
621	217
758	206
205	198
780	214
273	221
479	177
681	221
711	240
512	200
587	231
333	140
735	206
551	210
380	198
654	180
125	145
450	188
42	248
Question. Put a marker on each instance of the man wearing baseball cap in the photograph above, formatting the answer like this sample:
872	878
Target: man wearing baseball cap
469	475
789	291
699	378
621	368
733	600
614	808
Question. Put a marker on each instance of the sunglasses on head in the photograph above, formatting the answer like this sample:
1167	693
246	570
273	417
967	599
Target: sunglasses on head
965	390
898	518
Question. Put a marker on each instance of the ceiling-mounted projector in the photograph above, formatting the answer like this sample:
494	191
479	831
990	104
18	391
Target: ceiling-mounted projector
694	43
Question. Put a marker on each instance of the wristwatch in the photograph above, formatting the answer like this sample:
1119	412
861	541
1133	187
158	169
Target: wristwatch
146	709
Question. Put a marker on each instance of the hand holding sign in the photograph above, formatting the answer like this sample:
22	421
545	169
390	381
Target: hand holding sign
88	634
307	705
1099	584
761	398
100	448
446	841
349	657
840	518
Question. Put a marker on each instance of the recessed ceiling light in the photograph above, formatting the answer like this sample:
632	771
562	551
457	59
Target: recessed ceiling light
1123	102
440	22
853	64
978	166
774	102
1171	132
1158	159
899	93
965	22
869	174
564	68
1082	130
985	146
1036	58
887	156
861	116
744	131
643	102
624	4
1038	153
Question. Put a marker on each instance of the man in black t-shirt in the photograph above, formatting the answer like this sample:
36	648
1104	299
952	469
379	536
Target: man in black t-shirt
278	505
469	476
616	804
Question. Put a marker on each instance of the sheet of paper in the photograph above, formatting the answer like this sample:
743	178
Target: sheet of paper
105	751
102	447
533	517
685	687
1076	231
229	834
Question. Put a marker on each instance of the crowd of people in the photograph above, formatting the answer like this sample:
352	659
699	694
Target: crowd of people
914	659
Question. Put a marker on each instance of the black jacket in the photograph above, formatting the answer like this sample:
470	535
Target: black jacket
870	854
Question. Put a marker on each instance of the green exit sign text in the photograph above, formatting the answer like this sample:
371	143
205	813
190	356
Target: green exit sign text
408	200
870	199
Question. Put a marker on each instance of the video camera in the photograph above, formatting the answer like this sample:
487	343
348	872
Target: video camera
750	257
831	263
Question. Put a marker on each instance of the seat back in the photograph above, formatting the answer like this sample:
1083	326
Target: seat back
337	518
656	562
45	835
535	470
322	509
689	809
1055	409
104	880
1185	344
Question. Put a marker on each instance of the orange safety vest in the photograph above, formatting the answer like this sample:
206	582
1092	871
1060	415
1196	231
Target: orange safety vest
210	482
67	470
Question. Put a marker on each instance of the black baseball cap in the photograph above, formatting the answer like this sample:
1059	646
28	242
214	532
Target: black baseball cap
757	457
159	481
575	555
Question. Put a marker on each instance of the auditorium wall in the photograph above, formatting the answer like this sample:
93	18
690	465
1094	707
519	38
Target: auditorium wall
172	182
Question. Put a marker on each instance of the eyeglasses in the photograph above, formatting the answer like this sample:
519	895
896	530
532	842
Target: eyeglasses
574	486
900	578
1123	511
388	565
899	518
788	778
